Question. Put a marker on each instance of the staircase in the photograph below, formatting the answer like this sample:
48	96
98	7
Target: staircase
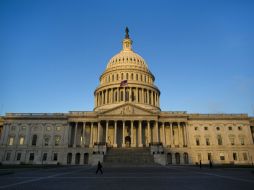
128	157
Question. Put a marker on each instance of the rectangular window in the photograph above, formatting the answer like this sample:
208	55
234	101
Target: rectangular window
21	140
57	140
197	142
234	156
219	139
46	141
11	141
207	140
232	141
209	156
206	128
242	141
222	156
18	156
245	157
55	156
8	156
31	157
44	158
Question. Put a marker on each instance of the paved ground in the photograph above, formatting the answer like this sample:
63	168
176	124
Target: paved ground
157	177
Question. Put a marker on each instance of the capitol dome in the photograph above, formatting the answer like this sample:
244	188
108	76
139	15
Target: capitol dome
127	79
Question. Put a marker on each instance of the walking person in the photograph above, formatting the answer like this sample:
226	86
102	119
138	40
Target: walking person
99	166
210	164
200	164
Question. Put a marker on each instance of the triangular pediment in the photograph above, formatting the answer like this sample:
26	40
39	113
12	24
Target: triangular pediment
127	109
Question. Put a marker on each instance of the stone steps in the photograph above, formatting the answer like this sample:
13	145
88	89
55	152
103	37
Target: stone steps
128	157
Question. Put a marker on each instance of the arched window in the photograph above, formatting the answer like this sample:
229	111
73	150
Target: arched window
116	96
131	76
136	76
34	140
219	139
122	76
116	76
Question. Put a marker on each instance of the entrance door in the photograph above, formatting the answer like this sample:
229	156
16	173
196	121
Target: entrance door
127	141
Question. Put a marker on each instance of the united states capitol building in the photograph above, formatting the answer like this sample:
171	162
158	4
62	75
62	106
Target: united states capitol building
126	125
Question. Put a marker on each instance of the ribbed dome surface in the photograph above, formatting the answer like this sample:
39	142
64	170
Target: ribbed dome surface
127	57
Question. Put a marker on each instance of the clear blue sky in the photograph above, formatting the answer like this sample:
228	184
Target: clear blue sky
53	52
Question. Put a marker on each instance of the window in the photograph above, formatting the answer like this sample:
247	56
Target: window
21	140
58	128
121	96
18	156
55	157
219	139
239	128
207	140
127	76
34	140
48	128
136	76
11	141
122	76
31	156
241	140
245	157
112	77
46	141
23	128
230	128
209	156
217	128
222	156
131	76
44	157
196	128
8	156
205	128
232	140
116	76
57	140
197	142
13	128
234	156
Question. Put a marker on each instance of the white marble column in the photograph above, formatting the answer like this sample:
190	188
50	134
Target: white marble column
115	135
123	145
75	135
106	135
149	132
140	134
157	131
171	135
98	131
163	134
179	136
83	134
132	136
91	135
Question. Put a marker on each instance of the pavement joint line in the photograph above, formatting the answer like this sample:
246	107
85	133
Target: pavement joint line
39	179
220	176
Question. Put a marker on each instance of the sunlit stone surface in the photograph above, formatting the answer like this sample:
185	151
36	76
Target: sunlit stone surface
126	127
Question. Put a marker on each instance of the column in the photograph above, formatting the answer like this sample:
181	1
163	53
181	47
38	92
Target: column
98	131
115	145
2	135
106	96
140	134
137	98
163	134
132	136
75	135
130	95
83	134
152	98
149	132
66	135
178	127
187	135
156	131
142	97
106	136
118	95
28	130
91	135
171	135
123	145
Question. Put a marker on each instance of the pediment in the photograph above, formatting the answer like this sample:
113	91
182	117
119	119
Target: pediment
127	109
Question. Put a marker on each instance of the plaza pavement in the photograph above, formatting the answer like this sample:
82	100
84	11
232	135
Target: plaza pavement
130	178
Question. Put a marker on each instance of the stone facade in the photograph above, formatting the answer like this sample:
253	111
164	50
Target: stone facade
126	114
